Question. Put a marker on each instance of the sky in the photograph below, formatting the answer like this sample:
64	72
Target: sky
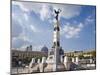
32	24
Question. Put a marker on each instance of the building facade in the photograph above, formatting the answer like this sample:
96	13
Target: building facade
26	56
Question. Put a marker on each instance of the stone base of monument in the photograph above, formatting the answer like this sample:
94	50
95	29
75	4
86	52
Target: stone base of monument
34	68
50	66
42	66
67	65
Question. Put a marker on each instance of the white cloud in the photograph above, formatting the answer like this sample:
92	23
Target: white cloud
22	26
22	36
72	31
26	16
18	42
16	28
21	5
29	6
37	47
80	25
68	11
45	12
33	28
23	47
89	20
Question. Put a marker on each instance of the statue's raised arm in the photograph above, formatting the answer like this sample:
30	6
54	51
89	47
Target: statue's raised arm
57	13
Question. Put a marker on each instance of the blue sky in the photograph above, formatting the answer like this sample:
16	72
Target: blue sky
32	24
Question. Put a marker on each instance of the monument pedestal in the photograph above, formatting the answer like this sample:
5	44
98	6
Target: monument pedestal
50	66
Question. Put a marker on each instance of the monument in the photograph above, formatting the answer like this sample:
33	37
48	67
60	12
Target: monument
55	60
55	57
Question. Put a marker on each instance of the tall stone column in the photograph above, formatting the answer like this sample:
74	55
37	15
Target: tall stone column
56	40
56	53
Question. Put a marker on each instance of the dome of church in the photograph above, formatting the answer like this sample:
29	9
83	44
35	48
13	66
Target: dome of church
44	49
